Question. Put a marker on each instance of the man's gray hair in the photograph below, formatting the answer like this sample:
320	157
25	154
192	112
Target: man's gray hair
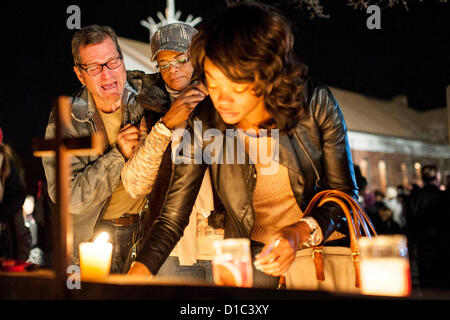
93	34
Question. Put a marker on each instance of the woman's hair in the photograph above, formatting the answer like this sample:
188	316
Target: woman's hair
93	34
252	42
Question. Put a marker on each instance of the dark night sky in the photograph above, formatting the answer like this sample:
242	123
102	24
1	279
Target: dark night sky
409	55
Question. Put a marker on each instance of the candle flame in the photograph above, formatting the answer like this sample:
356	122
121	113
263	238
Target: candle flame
102	238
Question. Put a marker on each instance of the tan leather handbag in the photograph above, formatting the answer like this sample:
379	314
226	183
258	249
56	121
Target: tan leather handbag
326	267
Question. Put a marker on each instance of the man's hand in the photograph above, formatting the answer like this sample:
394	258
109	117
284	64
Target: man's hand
139	269
182	107
127	140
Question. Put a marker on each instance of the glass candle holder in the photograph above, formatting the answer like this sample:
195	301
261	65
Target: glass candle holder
384	266
232	264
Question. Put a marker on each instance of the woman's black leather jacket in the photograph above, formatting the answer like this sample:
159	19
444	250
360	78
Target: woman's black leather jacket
316	152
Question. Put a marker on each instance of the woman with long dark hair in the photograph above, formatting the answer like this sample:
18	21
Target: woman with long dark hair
258	88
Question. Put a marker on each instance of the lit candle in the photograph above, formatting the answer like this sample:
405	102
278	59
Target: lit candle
385	276
384	266
95	257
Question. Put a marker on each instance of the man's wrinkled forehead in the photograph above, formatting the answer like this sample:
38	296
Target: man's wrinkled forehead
100	52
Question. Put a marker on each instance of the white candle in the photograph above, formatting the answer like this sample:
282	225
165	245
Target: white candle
384	266
385	276
95	257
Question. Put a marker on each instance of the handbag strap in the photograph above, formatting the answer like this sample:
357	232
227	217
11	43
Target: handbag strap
357	221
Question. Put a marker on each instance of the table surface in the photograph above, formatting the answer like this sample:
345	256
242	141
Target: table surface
41	284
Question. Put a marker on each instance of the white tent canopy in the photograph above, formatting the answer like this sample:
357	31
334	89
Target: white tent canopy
136	55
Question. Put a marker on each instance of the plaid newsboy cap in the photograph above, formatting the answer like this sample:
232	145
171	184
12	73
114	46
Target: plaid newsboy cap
174	36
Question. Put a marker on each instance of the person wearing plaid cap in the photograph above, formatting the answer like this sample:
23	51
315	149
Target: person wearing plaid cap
148	167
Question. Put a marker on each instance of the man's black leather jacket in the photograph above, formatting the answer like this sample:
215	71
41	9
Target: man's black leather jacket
316	152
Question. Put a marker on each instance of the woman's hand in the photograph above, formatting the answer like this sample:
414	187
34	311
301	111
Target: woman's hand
277	256
139	269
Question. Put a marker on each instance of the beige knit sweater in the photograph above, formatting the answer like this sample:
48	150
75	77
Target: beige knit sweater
274	204
140	171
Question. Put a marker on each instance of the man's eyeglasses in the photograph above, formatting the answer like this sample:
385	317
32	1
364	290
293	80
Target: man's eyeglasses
177	63
96	69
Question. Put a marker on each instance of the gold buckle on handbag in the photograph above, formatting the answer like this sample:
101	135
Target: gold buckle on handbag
317	256
355	256
316	251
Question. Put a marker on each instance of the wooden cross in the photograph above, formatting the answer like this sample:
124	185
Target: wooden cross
62	147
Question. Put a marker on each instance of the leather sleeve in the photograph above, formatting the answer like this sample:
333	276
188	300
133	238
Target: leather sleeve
337	160
152	93
168	228
184	186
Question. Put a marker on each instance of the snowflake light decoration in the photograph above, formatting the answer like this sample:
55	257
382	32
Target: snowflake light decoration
171	17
